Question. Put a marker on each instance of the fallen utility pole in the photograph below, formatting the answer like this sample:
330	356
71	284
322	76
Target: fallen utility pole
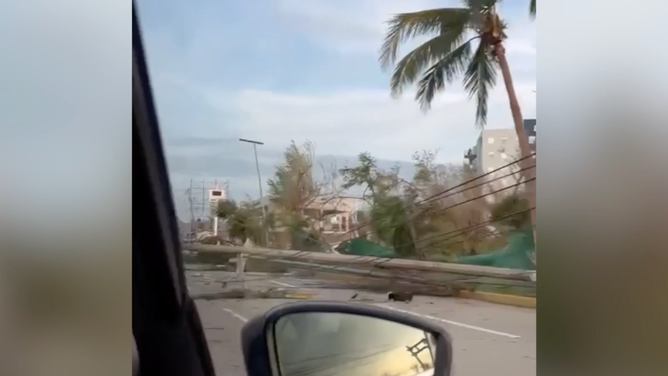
369	261
451	287
452	284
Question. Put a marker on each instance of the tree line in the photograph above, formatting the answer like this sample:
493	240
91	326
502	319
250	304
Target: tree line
401	214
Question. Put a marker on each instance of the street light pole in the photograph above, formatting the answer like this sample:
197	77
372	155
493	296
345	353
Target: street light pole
259	182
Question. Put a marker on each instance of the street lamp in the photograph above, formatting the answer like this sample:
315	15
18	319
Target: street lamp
259	182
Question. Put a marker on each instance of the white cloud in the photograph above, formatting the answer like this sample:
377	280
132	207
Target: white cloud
347	123
360	117
359	120
348	26
520	48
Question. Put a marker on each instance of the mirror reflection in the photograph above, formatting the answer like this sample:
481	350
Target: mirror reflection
333	344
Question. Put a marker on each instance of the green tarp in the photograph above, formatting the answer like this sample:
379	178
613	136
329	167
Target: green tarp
363	247
516	255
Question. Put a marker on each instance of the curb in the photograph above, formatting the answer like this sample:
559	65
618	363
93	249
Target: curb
512	300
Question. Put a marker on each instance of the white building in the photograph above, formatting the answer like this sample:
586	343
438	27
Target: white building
495	149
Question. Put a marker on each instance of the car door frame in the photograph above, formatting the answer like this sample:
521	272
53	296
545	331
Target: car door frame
166	325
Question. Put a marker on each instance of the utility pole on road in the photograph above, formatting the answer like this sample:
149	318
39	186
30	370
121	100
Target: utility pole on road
259	182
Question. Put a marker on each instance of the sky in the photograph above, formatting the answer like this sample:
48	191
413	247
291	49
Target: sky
282	70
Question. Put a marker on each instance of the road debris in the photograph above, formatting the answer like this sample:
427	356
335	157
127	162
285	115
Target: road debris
406	297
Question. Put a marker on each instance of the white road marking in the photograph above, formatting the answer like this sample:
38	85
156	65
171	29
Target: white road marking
281	283
454	323
231	312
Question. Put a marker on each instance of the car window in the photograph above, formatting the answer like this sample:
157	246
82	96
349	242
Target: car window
340	127
242	93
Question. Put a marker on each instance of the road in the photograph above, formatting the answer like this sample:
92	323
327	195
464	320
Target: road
488	339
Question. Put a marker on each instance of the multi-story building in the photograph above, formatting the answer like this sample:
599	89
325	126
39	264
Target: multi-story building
334	217
495	149
485	155
530	130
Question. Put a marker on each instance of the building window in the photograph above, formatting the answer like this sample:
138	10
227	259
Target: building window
490	140
504	156
490	169
532	140
503	140
491	154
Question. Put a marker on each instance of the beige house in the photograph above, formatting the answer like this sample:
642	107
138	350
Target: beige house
335	217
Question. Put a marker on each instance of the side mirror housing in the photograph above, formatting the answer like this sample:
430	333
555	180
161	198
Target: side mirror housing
340	339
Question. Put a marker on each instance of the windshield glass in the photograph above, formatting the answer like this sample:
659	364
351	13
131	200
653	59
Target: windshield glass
332	129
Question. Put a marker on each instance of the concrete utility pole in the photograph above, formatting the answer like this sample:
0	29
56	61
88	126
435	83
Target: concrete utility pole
203	198
193	228
259	182
215	215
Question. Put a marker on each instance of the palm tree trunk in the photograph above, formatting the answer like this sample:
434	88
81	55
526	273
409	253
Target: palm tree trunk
522	137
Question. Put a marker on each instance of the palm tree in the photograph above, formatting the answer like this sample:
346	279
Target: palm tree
532	8
466	41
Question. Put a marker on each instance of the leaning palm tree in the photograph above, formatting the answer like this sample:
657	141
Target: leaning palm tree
532	8
467	41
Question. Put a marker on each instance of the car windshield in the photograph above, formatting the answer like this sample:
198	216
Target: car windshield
329	130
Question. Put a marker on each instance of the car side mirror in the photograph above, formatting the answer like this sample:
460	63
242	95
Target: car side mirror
341	339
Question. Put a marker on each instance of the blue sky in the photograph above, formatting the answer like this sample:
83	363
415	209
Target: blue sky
300	70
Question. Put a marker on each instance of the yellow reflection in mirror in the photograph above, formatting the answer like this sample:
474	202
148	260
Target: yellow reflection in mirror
337	344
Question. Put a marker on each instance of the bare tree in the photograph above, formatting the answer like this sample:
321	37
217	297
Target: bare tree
292	188
300	200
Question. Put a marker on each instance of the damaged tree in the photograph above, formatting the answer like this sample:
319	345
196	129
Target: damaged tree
467	41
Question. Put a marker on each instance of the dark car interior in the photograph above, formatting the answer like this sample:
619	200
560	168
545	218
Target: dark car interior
165	324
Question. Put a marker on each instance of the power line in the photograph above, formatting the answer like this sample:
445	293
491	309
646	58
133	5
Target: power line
490	235
440	210
415	241
467	201
465	229
437	195
484	195
382	260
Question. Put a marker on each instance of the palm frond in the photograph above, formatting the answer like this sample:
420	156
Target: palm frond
479	79
480	9
481	4
532	9
444	71
405	26
433	50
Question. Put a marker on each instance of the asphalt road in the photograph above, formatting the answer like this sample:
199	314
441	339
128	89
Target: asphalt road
488	339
